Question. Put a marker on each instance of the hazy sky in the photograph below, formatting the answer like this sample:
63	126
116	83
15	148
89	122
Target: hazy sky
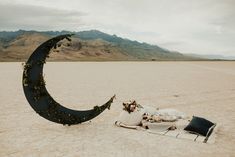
187	26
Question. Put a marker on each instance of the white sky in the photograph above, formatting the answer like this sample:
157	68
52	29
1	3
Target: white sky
187	26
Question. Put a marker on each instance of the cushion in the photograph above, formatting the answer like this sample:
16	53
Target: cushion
199	125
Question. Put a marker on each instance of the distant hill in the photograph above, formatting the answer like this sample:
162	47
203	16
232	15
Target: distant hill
90	45
212	57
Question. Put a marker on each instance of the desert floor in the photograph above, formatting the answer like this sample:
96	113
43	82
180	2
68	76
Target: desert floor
204	89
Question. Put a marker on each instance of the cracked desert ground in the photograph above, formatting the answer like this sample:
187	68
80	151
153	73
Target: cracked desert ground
205	89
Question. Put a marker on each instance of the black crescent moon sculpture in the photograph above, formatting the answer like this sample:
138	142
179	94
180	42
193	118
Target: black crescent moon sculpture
38	96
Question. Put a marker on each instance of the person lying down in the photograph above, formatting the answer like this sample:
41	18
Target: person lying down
135	116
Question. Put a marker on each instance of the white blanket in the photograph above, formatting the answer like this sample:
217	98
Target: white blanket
135	118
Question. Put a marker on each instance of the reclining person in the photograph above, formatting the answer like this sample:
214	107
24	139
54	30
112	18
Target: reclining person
135	116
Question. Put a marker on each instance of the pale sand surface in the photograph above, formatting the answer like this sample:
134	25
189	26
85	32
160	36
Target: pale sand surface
204	89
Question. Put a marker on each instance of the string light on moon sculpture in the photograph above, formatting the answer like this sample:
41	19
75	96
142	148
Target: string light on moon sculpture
38	97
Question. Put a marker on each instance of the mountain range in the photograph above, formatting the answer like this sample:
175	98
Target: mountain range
90	45
212	57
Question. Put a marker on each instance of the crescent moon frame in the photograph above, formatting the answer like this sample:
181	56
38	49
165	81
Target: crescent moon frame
39	98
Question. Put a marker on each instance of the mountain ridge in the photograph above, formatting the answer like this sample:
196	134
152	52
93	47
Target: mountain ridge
92	45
